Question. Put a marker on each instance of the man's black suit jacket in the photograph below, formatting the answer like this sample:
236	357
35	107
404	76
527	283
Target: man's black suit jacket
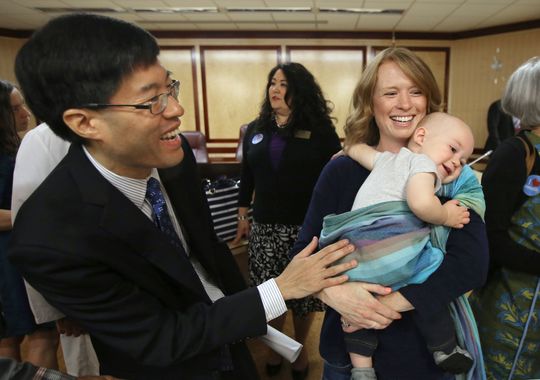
97	258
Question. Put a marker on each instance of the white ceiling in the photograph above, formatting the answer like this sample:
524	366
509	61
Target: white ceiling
419	15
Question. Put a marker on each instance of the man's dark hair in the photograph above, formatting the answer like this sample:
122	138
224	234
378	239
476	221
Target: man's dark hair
78	59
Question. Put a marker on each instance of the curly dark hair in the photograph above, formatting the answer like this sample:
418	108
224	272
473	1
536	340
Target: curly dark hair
9	139
309	108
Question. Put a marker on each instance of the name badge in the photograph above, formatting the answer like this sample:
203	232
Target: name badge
302	134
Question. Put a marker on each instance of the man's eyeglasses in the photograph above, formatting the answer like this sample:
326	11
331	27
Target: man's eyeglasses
155	105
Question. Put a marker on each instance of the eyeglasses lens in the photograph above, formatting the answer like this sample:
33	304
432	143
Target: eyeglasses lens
159	105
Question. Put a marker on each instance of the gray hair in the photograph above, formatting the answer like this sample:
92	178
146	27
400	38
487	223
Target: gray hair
521	97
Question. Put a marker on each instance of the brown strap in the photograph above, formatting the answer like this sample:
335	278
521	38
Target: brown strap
530	155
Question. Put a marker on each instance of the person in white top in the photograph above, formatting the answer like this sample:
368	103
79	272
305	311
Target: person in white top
39	153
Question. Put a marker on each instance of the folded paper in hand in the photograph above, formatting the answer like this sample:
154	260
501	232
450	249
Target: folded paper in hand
282	344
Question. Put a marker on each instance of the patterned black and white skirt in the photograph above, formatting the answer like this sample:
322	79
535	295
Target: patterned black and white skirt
269	245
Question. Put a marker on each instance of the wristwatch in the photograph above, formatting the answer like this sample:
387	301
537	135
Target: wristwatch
242	217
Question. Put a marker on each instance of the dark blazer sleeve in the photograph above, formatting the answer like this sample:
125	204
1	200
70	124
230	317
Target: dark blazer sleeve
128	316
503	183
247	180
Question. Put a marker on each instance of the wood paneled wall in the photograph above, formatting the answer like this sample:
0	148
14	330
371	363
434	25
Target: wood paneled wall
472	80
233	82
223	80
181	61
232	74
8	50
336	69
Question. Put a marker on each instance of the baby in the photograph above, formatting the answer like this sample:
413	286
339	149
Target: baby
435	155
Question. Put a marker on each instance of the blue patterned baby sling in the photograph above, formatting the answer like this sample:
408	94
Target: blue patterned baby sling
395	248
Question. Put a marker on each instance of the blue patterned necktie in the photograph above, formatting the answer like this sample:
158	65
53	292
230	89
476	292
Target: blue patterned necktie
162	219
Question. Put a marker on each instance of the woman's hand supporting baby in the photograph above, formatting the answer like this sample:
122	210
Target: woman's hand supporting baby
358	304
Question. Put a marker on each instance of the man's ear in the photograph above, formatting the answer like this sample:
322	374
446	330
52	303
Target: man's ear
82	122
419	135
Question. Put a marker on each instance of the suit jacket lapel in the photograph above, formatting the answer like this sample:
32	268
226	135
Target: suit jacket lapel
124	220
184	189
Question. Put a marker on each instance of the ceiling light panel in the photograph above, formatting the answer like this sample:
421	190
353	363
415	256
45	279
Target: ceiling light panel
77	9
177	10
368	11
269	9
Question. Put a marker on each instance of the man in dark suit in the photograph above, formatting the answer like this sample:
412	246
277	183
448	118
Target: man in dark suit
500	126
119	236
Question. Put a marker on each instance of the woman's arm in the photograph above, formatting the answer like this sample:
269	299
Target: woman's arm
247	186
243	226
247	182
503	183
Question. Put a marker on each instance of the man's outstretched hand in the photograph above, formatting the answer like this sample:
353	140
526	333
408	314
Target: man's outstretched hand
310	272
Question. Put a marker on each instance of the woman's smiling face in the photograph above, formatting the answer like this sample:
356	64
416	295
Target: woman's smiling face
398	104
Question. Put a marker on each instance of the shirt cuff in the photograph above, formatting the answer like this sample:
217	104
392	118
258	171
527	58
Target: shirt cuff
272	300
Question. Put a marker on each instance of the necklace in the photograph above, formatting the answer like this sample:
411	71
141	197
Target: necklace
280	126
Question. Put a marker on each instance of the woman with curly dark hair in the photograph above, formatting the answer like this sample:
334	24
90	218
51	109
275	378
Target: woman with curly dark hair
19	320
284	151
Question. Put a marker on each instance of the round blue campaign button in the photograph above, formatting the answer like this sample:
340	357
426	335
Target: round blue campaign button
532	186
257	138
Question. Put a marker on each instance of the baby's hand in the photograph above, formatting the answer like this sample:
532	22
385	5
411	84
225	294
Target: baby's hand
456	216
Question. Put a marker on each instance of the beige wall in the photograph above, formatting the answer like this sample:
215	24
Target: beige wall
178	61
234	82
8	51
472	80
231	76
223	79
336	71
